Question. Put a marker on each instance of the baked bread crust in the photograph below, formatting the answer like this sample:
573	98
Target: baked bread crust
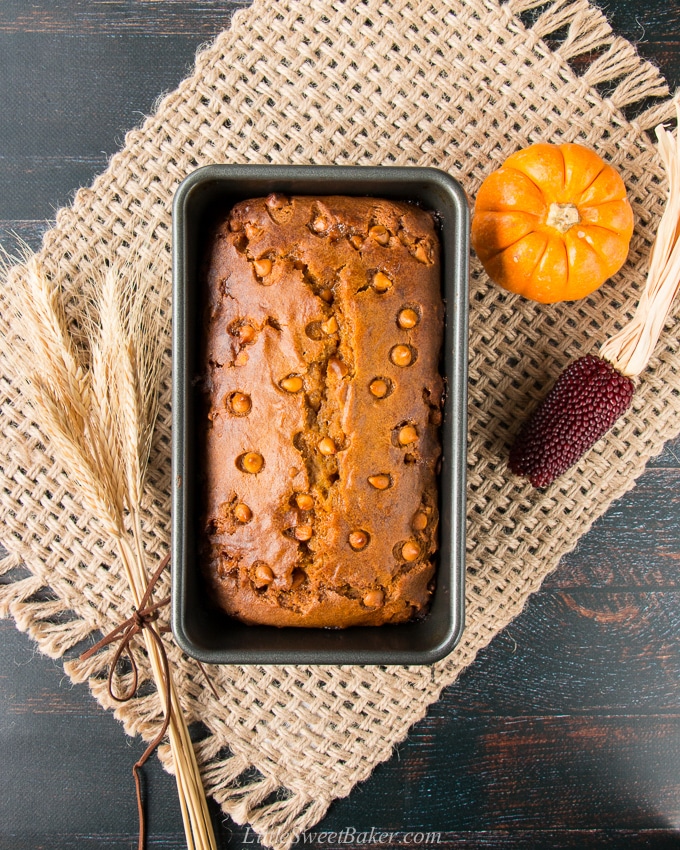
323	335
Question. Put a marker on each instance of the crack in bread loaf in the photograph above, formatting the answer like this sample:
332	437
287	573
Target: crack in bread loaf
323	335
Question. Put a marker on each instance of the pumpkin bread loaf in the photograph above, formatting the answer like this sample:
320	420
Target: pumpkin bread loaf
323	334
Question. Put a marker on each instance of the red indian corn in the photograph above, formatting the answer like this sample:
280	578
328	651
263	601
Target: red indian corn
587	399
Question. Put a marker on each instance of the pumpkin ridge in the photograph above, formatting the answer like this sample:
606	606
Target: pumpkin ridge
528	176
611	230
602	261
540	258
567	283
575	199
502	210
585	188
564	170
511	245
602	255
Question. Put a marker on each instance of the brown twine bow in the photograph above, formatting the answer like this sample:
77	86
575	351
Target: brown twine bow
141	619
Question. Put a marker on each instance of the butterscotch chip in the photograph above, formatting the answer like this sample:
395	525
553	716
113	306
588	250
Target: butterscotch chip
374	598
379	387
304	501
381	283
240	403
246	334
338	367
292	384
275	201
419	521
410	551
356	241
407	435
303	532
330	326
407	318
380	482
326	295
251	462
327	446
241	359
359	539
263	575
380	233
297	577
262	267
319	224
421	253
242	512
401	355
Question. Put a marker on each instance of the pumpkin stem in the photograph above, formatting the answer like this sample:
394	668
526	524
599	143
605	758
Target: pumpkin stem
563	216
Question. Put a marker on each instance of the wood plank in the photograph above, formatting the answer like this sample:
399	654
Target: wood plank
58	177
60	743
515	770
527	773
654	26
14	232
63	117
669	456
70	103
492	839
637	540
584	651
199	19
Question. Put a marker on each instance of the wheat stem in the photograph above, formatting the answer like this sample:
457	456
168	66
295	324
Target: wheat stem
195	813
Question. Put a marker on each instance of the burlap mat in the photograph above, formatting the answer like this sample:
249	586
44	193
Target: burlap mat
458	85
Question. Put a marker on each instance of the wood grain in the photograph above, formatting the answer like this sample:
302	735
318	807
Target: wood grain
564	733
85	18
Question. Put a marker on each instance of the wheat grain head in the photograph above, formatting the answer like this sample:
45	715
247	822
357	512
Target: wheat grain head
128	334
45	344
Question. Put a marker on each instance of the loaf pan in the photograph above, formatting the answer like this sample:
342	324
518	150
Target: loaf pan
200	629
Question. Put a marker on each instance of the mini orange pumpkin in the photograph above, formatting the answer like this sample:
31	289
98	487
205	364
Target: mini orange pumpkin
553	223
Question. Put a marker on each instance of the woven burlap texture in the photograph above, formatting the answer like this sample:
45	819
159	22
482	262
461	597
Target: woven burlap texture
458	85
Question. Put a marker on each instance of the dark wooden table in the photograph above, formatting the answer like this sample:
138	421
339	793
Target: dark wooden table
565	733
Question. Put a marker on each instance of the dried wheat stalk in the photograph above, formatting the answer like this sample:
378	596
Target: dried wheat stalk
100	418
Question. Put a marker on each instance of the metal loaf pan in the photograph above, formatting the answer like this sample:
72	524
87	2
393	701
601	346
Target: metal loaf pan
200	629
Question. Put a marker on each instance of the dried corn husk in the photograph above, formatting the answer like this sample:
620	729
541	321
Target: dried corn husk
630	350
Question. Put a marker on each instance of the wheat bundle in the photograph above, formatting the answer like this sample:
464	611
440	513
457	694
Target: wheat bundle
96	401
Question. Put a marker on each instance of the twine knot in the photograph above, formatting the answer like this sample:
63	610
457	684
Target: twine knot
142	619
